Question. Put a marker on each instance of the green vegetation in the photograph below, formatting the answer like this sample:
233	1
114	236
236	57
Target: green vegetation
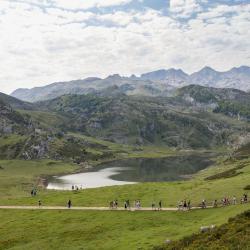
47	120
72	132
103	230
233	235
234	109
144	121
228	173
17	178
13	191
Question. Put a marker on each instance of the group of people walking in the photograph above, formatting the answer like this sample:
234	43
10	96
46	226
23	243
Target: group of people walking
182	205
233	201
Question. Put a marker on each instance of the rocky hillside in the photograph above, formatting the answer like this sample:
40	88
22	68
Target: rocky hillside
156	83
27	133
12	121
195	117
144	120
231	102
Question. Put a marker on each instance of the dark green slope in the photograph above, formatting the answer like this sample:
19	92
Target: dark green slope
12	121
231	102
16	103
233	235
142	120
27	133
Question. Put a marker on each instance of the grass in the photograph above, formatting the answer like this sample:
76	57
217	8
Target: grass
11	139
232	235
46	120
103	230
10	145
40	229
18	177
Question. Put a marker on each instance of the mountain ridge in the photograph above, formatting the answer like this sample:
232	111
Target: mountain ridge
156	83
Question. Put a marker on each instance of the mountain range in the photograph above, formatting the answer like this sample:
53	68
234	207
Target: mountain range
157	83
195	117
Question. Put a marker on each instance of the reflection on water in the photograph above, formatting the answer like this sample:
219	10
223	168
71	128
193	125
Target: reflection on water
99	178
159	169
135	170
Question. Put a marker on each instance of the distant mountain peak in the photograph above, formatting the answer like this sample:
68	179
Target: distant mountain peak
208	69
164	74
241	69
114	76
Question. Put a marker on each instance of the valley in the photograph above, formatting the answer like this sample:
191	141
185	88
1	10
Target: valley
124	125
191	146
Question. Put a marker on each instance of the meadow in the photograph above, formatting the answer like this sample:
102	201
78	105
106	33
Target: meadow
71	229
37	229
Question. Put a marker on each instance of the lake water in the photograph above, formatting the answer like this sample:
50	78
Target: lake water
135	170
93	179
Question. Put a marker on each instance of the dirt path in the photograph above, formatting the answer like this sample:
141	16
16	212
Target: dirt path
89	208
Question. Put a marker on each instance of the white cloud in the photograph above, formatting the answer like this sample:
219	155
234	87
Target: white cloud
185	8
40	46
86	4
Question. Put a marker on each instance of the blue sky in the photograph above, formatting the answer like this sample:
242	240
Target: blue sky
44	41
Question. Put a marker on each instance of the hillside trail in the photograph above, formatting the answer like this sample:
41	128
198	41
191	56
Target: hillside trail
97	208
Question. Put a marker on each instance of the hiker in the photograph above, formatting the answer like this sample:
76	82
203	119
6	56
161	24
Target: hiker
138	204
111	204
32	192
73	187
153	205
234	200
203	203
160	205
245	198
189	205
125	205
69	204
116	203
215	204
180	205
39	203
128	204
185	205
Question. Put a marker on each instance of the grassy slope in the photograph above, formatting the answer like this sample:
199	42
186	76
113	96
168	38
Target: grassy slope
232	235
112	229
46	120
18	177
102	230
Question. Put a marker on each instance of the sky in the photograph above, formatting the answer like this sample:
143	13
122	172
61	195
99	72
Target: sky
45	41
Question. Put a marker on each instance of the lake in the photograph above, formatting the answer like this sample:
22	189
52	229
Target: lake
131	171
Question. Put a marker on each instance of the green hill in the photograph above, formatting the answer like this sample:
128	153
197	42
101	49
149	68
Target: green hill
190	120
231	102
232	235
15	103
144	121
